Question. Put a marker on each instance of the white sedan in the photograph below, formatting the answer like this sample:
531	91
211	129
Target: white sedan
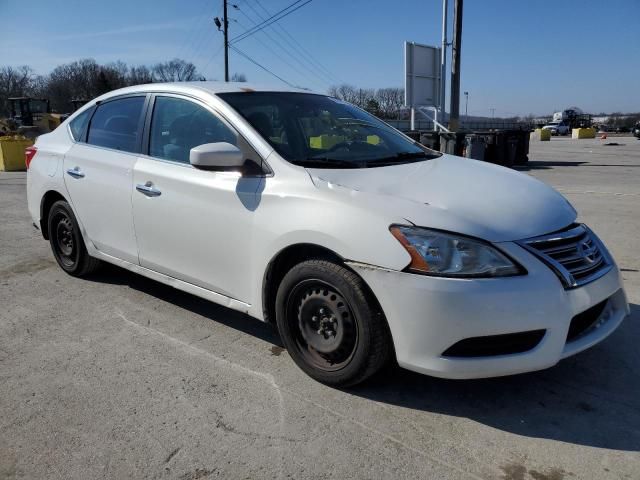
305	211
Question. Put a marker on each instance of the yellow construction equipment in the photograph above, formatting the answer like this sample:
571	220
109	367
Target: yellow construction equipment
31	116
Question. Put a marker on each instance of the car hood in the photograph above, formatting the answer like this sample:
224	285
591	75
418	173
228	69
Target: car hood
455	194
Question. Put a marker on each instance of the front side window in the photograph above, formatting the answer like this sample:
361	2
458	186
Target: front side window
178	125
115	124
319	131
79	124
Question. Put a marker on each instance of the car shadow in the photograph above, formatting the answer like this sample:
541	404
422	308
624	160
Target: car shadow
545	165
590	399
232	318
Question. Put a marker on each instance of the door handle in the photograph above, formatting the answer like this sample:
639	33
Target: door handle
75	172
148	189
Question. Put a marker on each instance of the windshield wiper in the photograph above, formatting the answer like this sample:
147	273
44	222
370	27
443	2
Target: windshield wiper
327	162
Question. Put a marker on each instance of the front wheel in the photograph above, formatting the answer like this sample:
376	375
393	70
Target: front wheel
66	241
330	323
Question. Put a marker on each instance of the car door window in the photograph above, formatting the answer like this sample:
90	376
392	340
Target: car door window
115	124
79	124
178	125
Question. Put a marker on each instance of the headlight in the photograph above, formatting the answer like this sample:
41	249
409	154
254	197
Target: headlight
448	255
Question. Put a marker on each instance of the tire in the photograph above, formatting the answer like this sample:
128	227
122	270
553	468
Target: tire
66	241
330	324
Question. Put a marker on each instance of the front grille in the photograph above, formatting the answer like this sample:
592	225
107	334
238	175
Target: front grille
488	346
576	255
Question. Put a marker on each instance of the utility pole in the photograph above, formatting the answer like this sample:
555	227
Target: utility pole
493	112
454	119
226	42
443	59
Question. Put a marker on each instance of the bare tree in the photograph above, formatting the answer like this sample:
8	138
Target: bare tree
139	75
14	82
391	101
175	70
384	102
74	80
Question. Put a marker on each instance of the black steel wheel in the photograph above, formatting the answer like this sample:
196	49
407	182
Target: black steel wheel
66	241
326	330
65	247
330	323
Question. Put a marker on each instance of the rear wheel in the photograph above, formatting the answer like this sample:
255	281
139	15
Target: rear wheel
66	241
329	322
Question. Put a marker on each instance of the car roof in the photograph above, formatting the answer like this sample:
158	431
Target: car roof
207	86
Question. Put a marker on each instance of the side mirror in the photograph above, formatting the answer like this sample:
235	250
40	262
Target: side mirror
216	156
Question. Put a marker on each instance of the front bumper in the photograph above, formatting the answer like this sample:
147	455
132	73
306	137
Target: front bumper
427	315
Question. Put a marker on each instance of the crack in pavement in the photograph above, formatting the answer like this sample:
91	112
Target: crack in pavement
270	380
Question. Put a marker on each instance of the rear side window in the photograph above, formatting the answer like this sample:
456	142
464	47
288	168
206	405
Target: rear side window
79	124
178	125
115	124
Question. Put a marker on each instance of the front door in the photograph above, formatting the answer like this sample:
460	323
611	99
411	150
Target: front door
192	224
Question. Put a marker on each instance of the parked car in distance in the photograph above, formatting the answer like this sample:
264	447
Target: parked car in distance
636	130
558	128
305	211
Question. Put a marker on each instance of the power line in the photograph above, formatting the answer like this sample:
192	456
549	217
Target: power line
297	46
293	52
217	52
194	33
240	52
274	18
305	72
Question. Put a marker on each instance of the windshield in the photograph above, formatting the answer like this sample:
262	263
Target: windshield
323	132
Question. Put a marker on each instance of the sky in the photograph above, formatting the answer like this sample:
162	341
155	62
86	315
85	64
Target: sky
518	57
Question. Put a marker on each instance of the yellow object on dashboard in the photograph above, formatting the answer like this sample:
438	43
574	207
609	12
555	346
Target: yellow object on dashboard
324	142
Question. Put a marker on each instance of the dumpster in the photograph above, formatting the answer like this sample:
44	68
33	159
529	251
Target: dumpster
452	143
489	145
474	146
522	153
12	153
502	147
430	140
413	135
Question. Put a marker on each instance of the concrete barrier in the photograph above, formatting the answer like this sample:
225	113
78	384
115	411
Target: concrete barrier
583	133
539	134
12	153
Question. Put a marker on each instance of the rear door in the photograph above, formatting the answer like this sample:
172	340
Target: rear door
192	224
98	173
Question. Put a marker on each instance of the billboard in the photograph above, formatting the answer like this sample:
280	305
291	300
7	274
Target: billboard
421	75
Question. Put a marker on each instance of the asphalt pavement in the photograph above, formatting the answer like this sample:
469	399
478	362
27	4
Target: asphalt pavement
122	377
